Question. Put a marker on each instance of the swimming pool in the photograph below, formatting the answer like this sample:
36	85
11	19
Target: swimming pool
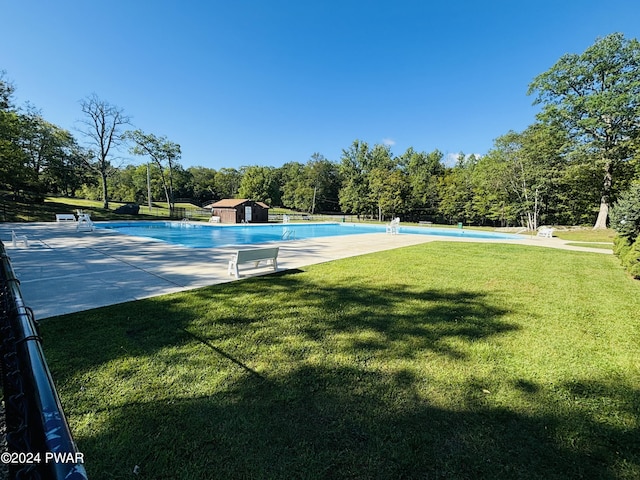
205	235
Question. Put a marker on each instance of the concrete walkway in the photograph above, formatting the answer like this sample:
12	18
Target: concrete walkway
64	271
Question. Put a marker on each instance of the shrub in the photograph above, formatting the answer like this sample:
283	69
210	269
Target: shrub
129	209
621	246
628	253
625	219
631	261
625	214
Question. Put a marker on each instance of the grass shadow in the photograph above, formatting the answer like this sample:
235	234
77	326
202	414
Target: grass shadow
284	310
345	423
334	375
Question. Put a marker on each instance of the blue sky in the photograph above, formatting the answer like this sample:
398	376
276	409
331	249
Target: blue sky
265	82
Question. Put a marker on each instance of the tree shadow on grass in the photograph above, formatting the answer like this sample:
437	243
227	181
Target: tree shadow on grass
327	419
399	321
402	320
348	423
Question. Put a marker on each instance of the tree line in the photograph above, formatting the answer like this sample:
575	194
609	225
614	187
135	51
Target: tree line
568	167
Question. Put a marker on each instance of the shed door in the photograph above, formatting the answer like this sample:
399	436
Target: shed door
247	214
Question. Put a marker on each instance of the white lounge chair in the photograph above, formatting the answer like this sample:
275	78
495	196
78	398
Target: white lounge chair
393	226
19	238
545	232
84	222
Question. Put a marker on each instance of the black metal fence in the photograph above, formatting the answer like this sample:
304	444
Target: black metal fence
39	442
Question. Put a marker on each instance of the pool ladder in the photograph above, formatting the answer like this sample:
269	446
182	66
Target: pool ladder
288	234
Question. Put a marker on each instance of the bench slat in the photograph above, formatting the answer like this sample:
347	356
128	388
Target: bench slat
258	254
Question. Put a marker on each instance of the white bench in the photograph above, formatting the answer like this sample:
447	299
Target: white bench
65	217
19	238
256	255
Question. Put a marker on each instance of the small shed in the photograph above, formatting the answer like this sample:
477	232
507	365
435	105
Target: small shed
239	210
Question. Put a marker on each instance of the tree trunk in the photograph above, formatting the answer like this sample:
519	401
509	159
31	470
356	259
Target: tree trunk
105	194
165	187
601	221
170	196
603	214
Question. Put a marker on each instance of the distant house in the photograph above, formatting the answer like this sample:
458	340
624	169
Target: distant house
239	210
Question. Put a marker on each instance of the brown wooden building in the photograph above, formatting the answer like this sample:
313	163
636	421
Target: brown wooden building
239	210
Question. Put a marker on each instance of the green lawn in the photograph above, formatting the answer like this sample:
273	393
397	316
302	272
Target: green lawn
586	235
602	245
444	360
28	211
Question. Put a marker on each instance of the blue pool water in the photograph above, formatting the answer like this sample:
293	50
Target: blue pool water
201	235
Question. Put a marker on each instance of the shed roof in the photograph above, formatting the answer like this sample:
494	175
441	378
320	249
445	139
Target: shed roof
229	202
233	202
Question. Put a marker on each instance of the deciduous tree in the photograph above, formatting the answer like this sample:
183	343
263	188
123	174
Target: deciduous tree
13	171
355	165
202	184
103	127
162	152
227	183
455	189
423	170
260	184
596	97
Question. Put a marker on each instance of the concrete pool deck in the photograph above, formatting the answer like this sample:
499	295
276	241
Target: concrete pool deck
65	271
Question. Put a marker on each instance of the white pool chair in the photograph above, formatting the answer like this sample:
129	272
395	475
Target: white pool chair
19	238
545	232
393	226
84	223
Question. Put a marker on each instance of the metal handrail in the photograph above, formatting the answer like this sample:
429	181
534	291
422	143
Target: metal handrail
38	436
